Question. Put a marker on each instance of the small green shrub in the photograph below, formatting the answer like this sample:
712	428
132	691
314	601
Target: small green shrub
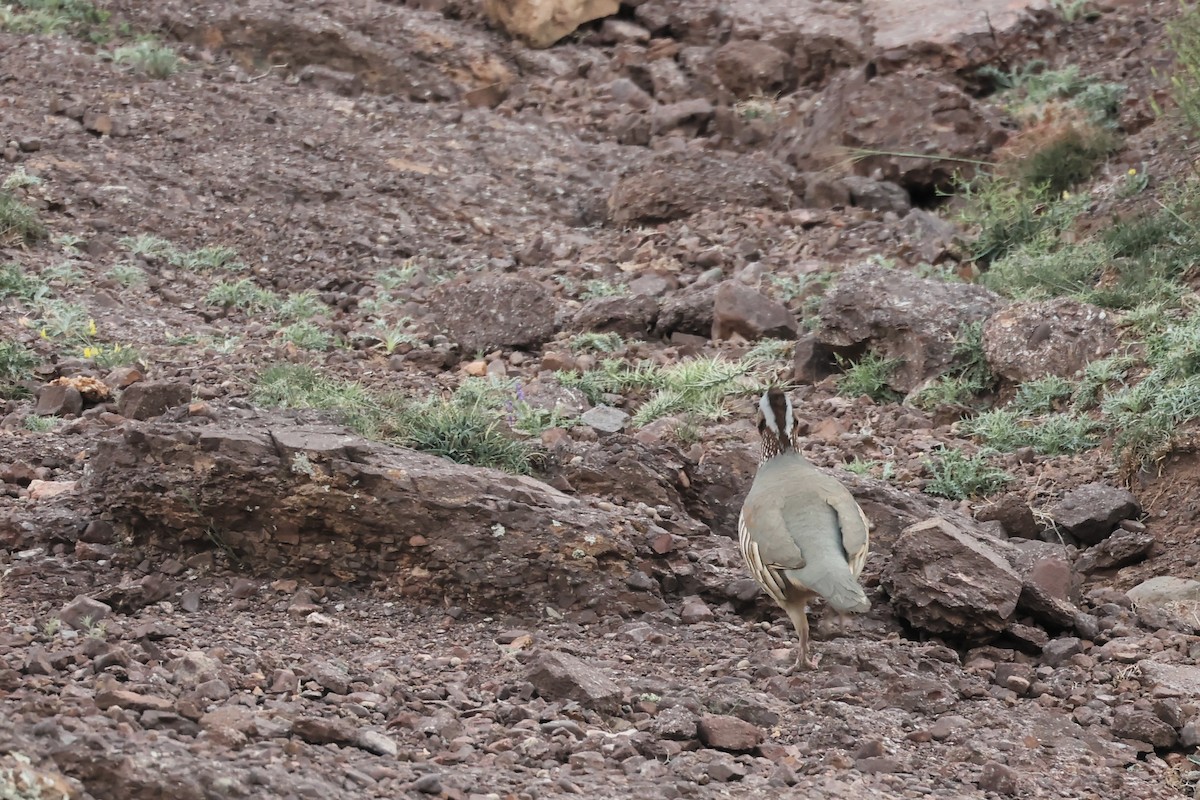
300	306
206	259
946	391
19	179
959	477
1009	429
1043	395
148	245
293	386
602	288
126	275
306	336
148	58
54	16
1066	159
596	342
15	282
1183	34
19	224
868	376
16	363
700	387
243	295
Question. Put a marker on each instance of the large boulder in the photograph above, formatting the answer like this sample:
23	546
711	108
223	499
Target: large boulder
900	315
281	498
1026	341
666	186
898	113
495	311
946	581
541	23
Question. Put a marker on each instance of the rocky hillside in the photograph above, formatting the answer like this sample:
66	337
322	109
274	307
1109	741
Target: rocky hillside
376	383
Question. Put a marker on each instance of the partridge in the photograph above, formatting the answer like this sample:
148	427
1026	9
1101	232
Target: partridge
800	531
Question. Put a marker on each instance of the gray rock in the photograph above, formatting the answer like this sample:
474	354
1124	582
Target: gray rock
324	730
999	778
943	580
877	195
605	419
748	68
892	114
1120	549
1050	587
695	610
1142	726
1059	650
83	612
494	311
675	723
147	399
632	317
559	676
900	315
1026	341
741	311
58	400
1164	590
194	668
1090	512
688	311
1013	514
1171	680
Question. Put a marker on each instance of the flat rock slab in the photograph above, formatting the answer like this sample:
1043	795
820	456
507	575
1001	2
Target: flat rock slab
917	26
284	499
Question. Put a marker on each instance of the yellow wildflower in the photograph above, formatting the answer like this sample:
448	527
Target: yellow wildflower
1132	172
42	332
91	352
91	327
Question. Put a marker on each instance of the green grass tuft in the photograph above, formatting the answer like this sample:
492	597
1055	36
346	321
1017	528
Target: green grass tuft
148	58
19	224
868	376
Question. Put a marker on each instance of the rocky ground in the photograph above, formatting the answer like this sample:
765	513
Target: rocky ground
204	596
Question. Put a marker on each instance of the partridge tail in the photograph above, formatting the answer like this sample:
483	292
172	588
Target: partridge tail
838	587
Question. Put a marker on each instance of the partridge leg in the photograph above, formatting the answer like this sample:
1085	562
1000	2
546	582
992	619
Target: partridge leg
798	613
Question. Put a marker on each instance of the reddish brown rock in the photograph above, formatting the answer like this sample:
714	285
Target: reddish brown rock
944	580
751	67
739	311
147	399
541	23
728	733
677	184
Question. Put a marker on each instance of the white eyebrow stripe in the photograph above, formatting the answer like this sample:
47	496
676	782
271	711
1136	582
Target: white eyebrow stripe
768	413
